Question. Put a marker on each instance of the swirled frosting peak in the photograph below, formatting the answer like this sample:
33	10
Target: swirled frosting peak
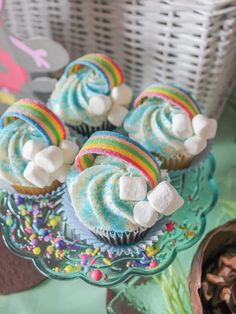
70	99
151	125
12	139
95	195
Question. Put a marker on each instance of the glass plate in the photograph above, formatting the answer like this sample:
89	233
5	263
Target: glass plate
37	229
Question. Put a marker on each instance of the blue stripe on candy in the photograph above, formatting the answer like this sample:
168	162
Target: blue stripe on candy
111	133
94	67
28	120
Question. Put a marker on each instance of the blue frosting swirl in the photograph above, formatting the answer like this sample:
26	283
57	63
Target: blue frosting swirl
70	99
95	195
12	139
151	125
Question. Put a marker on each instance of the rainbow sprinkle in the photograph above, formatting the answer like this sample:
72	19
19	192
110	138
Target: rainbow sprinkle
37	115
102	64
119	146
173	94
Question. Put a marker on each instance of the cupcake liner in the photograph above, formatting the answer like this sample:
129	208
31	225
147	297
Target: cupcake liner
120	238
195	162
176	162
86	130
36	191
75	230
7	188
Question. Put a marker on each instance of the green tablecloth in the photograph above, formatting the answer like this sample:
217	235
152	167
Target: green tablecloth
77	297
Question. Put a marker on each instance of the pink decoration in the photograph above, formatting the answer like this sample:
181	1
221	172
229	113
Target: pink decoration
38	55
15	76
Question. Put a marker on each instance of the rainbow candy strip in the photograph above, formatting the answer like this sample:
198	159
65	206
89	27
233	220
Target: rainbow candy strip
173	94
102	64
37	115
119	146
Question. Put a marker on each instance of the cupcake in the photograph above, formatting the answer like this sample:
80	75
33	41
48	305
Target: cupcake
116	190
212	279
167	121
91	95
35	153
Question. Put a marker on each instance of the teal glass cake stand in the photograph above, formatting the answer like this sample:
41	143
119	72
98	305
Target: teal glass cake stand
37	229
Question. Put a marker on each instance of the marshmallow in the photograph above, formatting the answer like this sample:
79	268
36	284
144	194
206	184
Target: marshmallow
164	198
61	173
50	159
182	126
144	215
212	128
122	95
69	150
99	104
195	145
132	188
31	148
117	115
36	175
204	127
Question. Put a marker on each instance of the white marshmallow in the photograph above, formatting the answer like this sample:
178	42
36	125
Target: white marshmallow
50	159
182	126
69	150
204	127
31	148
100	104
132	188
144	215
61	173
164	198
36	175
212	128
122	95
117	115
195	145
51	180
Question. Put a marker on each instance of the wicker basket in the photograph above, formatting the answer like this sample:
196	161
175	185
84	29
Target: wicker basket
191	43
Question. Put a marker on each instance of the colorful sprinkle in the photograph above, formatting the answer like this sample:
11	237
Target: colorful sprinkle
9	222
68	269
96	275
50	249
32	236
107	261
53	222
78	267
37	250
170	226
153	264
89	251
93	261
95	252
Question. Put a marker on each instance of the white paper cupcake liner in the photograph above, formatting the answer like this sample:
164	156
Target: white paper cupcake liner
75	230
197	160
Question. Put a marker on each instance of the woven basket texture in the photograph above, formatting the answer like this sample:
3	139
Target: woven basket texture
191	43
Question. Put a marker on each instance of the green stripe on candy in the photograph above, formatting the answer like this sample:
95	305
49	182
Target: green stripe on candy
40	116
96	141
105	65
